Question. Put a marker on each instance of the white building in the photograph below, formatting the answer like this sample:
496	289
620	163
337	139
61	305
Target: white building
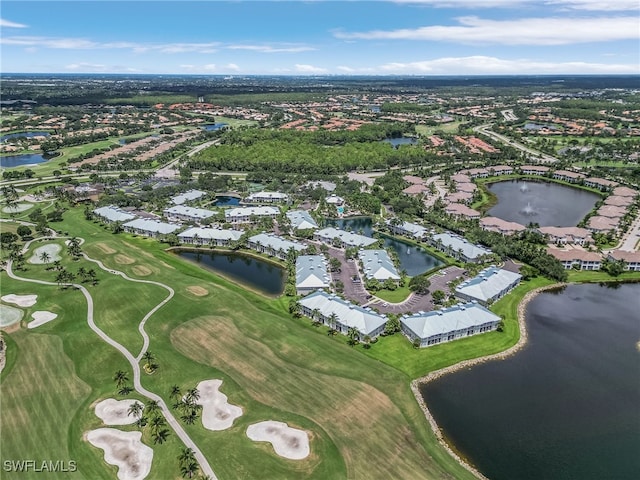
150	228
267	197
488	286
273	245
112	214
408	229
247	214
187	214
377	264
342	238
311	274
448	324
187	197
458	247
321	306
334	200
301	220
209	236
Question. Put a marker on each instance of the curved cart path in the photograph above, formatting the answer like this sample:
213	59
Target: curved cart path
133	361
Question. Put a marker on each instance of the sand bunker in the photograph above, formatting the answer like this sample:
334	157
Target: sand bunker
124	450
123	259
40	318
9	315
105	248
287	442
20	300
18	207
115	412
217	413
52	249
197	291
141	270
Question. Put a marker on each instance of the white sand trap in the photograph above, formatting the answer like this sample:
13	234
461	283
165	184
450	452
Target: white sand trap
124	450
18	207
20	300
53	249
217	412
287	442
9	315
115	412
40	318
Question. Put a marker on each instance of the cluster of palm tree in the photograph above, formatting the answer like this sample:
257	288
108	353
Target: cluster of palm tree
186	404
121	378
149	362
150	415
88	275
73	248
188	464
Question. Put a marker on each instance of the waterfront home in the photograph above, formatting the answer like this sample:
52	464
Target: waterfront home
342	238
407	229
209	236
600	183
248	214
466	187
187	214
329	308
459	197
495	224
150	228
489	285
611	211
534	170
576	258
618	201
334	200
376	264
301	220
461	178
458	321
273	245
600	224
567	176
267	197
311	274
500	170
111	213
187	197
631	259
458	247
477	172
625	192
567	235
461	210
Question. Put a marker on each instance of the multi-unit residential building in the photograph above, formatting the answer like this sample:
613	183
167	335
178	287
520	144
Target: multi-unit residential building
567	176
408	229
342	238
267	197
567	235
495	224
458	247
209	236
248	214
376	264
311	274
631	259
534	169
111	213
187	197
301	220
575	258
600	183
187	214
462	210
150	228
489	285
274	245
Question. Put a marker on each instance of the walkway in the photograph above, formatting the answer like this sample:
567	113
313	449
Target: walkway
133	361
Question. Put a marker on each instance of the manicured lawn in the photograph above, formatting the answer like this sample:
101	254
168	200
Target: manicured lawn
398	295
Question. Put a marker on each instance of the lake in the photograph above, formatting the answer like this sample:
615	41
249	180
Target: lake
413	260
545	203
214	126
226	201
397	141
9	161
23	135
249	271
567	406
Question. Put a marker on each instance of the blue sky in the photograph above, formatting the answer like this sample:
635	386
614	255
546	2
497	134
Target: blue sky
403	37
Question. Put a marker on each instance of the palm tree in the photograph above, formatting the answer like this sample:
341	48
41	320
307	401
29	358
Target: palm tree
187	455
175	393
152	407
121	378
333	320
160	436
353	335
45	258
148	358
135	410
193	395
157	423
190	417
188	470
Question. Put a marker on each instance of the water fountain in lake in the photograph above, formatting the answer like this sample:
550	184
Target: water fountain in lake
528	210
524	187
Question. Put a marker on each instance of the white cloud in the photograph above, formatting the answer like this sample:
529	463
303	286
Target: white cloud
309	69
271	49
484	65
86	67
525	31
593	5
46	42
9	24
85	44
232	67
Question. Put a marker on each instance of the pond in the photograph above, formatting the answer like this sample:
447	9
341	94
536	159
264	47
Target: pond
397	141
545	203
9	136
254	273
567	406
214	126
226	201
9	161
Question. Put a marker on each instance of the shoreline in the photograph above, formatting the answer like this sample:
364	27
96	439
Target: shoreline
522	341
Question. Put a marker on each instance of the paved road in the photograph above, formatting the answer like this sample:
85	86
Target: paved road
632	237
543	157
133	361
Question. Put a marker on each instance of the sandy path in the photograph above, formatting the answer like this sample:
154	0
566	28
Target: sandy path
287	442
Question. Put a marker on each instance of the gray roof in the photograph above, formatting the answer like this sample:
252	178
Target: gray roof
489	283
248	211
364	320
193	212
349	238
301	219
455	242
276	243
448	320
113	214
412	228
211	234
377	264
152	226
187	196
268	196
311	272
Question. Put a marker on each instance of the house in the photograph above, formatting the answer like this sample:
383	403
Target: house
407	229
575	258
489	285
466	187
376	264
534	170
248	214
273	245
187	214
567	176
462	320
267	197
461	178
209	236
567	235
597	224
500	170
478	172
416	190
311	274
187	197
611	211
631	259
342	238
625	192
495	224
111	214
618	201
150	228
599	183
458	247
461	210
459	197
301	220
329	308
334	200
